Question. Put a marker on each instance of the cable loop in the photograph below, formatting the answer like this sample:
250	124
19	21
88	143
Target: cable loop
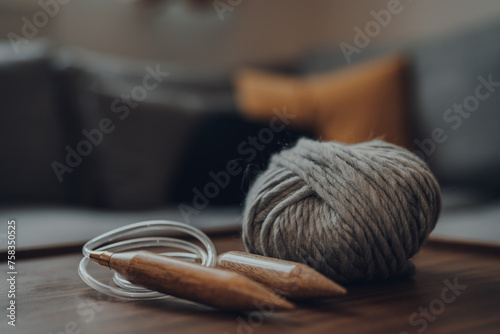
125	289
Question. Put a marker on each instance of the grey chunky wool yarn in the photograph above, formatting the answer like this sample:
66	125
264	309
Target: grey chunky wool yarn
353	212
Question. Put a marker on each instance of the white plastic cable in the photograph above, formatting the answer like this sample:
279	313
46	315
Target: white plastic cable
105	242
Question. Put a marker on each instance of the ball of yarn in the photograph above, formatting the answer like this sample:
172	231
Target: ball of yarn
353	212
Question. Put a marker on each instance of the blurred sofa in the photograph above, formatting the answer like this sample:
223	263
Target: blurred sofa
80	128
161	138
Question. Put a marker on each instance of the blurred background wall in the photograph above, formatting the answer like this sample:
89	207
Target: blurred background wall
180	31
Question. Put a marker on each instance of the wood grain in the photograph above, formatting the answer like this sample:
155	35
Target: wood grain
52	299
191	281
291	279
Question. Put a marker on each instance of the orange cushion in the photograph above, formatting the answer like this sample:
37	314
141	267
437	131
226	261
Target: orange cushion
354	104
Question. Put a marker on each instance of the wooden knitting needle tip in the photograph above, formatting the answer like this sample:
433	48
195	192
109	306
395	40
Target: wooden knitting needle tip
191	281
291	279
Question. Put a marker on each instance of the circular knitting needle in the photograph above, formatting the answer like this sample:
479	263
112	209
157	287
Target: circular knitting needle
215	287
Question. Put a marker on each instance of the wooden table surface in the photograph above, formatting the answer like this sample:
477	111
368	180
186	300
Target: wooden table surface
51	298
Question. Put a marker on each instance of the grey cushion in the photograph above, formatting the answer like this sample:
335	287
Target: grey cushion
30	129
133	166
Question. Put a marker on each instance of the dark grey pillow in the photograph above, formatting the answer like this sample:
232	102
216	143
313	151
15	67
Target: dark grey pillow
141	140
30	128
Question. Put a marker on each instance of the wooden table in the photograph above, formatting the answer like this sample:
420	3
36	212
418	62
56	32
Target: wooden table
51	298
